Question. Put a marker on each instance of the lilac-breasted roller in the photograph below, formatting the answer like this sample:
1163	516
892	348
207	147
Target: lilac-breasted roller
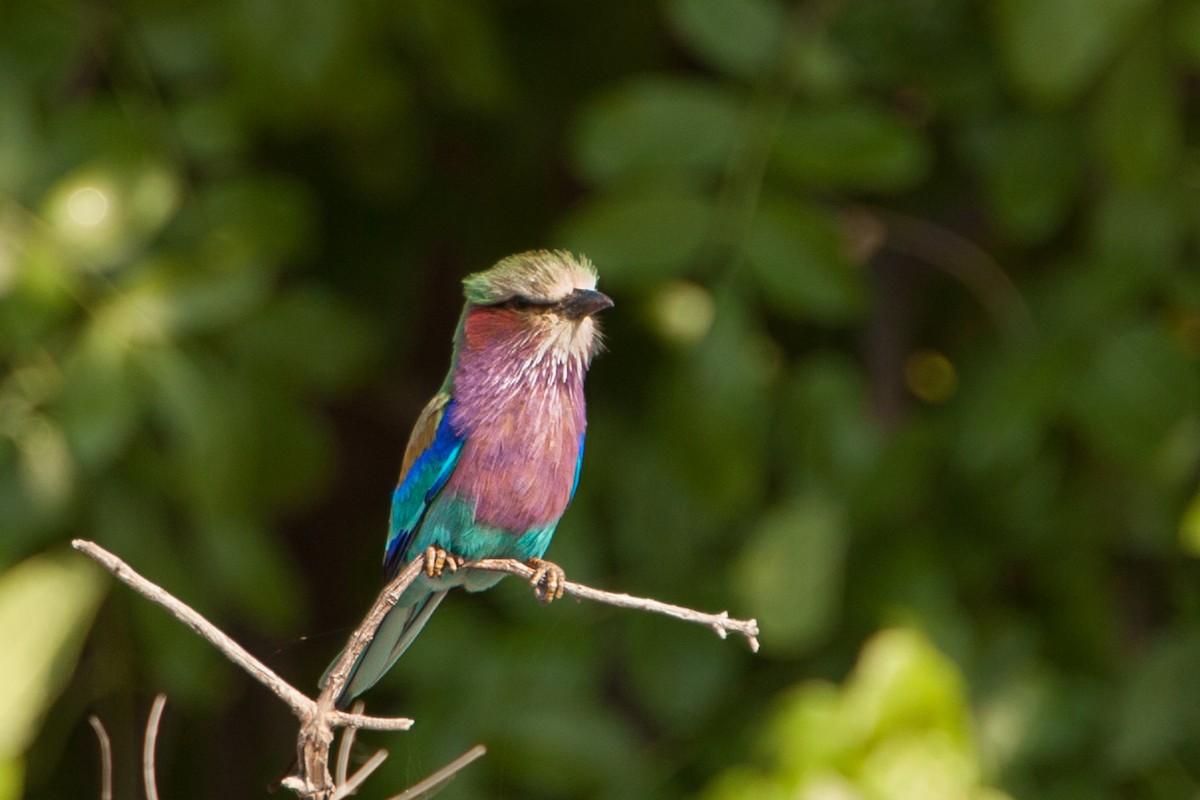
493	460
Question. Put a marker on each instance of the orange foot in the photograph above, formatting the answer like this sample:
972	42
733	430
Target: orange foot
548	580
438	562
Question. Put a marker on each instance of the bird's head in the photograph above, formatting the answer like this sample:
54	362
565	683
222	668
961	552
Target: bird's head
545	298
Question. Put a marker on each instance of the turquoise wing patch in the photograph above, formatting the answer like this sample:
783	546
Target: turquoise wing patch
419	486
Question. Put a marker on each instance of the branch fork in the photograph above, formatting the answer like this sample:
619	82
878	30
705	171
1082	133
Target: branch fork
319	718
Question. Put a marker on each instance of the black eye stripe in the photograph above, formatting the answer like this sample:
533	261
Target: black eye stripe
522	303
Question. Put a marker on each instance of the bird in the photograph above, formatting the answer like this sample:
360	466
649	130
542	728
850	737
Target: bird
493	460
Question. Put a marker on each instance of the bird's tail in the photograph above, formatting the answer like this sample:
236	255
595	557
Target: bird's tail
395	634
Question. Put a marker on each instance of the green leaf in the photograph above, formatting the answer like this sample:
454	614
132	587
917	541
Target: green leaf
641	234
18	136
103	212
796	255
36	41
924	764
822	430
45	463
1138	239
289	470
194	301
306	337
902	682
1139	126
1189	527
853	147
254	574
899	728
1053	49
1008	406
252	218
1155	710
1033	168
737	37
462	45
1136	386
282	56
210	436
1184	27
46	606
99	403
209	129
12	775
657	123
677	673
180	46
733	369
790	572
26	524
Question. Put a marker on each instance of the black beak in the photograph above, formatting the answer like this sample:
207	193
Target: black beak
583	303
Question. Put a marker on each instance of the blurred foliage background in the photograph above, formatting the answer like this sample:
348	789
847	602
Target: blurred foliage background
905	363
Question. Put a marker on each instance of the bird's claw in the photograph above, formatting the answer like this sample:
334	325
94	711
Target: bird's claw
438	562
548	580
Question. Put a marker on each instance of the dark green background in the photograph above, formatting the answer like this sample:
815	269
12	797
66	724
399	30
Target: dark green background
907	334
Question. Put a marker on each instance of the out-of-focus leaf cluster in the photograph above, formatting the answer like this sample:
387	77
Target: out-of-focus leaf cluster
907	338
162	355
899	727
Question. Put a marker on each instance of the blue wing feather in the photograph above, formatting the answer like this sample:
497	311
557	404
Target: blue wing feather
578	466
421	482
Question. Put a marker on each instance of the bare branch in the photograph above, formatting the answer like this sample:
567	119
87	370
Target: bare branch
319	718
300	704
148	776
336	680
347	788
316	730
105	757
721	623
343	760
184	613
439	778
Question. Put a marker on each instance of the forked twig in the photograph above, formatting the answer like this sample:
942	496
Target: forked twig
312	778
297	700
320	717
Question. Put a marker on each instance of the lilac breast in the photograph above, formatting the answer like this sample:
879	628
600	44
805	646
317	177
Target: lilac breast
523	420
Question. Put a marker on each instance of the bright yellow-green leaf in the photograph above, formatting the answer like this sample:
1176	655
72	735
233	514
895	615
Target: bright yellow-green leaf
902	682
11	777
1189	527
46	606
898	728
